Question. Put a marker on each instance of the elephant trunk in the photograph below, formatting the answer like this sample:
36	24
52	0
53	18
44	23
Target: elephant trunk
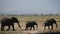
19	25
56	25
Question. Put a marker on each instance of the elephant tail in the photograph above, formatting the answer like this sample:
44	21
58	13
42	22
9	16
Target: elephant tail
56	25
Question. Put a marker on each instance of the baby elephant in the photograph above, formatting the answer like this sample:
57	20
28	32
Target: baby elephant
31	25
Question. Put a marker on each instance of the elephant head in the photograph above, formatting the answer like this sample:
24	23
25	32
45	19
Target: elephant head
54	21
35	24
15	20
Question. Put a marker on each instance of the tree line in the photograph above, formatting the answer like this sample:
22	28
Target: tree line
30	15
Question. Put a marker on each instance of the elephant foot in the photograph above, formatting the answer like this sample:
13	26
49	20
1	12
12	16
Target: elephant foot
33	29
13	29
52	28
7	29
44	29
26	29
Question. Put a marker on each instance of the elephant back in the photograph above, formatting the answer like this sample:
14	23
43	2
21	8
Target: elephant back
50	21
31	23
5	21
53	20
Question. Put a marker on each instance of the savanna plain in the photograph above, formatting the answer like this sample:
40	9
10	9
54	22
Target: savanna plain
23	19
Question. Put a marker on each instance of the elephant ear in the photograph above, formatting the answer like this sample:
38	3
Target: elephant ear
14	19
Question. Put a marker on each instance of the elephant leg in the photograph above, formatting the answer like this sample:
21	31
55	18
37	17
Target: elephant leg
8	27
13	27
48	27
30	28
51	26
26	28
44	27
33	28
2	27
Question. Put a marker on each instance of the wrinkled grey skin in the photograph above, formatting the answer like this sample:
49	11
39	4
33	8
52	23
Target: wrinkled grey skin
50	22
31	25
9	22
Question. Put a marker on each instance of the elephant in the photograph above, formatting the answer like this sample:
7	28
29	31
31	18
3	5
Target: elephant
31	25
9	22
50	22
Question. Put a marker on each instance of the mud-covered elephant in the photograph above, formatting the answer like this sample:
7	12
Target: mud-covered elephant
30	24
9	22
50	22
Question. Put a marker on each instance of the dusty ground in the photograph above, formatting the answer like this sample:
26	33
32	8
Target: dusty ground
22	31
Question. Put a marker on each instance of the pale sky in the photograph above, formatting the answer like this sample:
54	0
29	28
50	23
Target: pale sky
29	6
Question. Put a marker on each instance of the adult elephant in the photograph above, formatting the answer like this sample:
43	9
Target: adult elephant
31	25
9	22
50	22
